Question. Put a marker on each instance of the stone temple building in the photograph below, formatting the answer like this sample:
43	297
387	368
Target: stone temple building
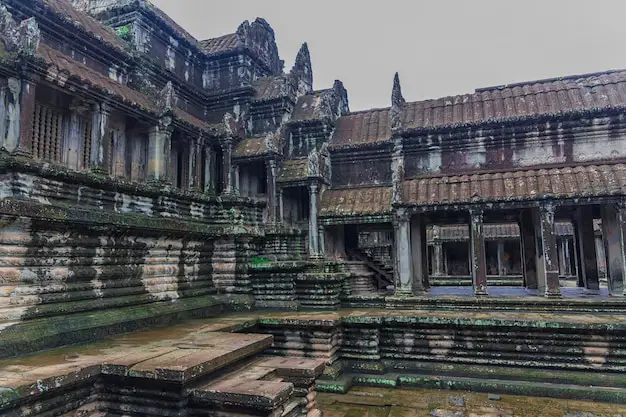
149	178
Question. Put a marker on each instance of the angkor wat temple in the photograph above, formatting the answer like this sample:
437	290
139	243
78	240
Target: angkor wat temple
150	178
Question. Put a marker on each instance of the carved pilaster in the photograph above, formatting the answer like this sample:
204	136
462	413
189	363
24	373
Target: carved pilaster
397	170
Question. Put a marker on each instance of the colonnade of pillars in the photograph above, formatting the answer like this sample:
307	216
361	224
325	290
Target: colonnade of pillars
539	249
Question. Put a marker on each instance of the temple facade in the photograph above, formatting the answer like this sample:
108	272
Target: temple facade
148	178
143	167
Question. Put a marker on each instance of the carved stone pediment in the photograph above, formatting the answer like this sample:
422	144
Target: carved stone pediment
22	38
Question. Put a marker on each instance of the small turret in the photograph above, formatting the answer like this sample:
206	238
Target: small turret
397	102
302	71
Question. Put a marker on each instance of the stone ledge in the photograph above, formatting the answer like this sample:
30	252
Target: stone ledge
34	335
130	221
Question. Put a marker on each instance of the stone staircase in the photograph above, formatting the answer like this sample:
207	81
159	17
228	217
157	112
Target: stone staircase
204	373
361	279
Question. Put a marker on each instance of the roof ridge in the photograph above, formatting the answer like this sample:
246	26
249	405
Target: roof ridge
548	80
375	109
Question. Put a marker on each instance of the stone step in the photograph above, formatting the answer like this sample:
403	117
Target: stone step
478	384
265	383
201	355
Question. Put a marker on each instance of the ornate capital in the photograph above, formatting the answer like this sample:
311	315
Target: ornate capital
402	215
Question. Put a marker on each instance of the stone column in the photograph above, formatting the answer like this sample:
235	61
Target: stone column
419	254
227	151
560	243
614	233
321	241
313	228
568	260
402	245
21	112
99	124
478	261
529	248
548	277
236	184
501	266
586	246
195	164
73	141
27	116
208	178
437	259
281	207
271	190
160	152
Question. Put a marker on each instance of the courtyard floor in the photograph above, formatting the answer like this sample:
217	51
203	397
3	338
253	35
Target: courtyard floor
381	402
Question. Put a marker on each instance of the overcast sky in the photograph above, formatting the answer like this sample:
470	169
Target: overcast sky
439	47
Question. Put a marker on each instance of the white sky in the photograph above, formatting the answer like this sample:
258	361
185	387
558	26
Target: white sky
439	47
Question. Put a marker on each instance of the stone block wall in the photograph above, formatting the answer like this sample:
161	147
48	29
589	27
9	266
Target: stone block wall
83	257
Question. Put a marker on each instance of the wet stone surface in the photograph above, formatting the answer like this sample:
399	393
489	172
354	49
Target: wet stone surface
380	402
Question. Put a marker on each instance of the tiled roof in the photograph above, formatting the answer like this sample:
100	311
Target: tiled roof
171	23
362	128
269	88
294	170
190	119
532	99
578	181
79	19
356	202
310	106
221	44
59	62
257	145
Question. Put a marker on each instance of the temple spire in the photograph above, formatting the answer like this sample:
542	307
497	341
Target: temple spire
302	71
396	93
397	102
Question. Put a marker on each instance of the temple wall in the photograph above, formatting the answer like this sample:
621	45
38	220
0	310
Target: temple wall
304	138
599	139
349	170
82	256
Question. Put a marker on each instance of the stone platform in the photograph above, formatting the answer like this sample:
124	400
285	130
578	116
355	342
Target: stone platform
211	362
573	300
195	370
